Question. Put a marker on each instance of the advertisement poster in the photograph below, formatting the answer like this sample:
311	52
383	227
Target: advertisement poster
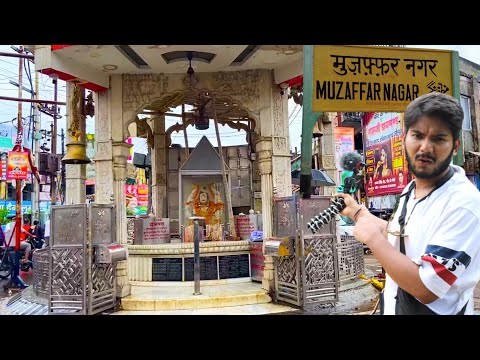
136	199
142	196
384	155
344	142
11	206
17	168
7	138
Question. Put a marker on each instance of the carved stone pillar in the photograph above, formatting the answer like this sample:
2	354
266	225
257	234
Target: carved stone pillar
103	157
121	152
264	153
328	152
75	175
281	164
159	167
327	160
274	165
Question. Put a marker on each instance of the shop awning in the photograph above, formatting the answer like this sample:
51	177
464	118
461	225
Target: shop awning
319	178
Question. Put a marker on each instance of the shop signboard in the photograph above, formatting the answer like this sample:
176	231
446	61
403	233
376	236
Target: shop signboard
369	78
11	206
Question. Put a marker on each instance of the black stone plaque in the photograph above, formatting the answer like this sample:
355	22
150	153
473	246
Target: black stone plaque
167	269
208	268
234	266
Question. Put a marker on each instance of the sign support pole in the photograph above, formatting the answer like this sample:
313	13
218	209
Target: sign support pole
308	122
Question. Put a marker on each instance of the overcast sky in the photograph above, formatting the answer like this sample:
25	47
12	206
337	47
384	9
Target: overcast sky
8	109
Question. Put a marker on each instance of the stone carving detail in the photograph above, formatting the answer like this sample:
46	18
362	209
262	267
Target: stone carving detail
104	182
130	229
327	128
280	146
191	81
279	172
277	112
101	117
328	147
104	151
75	181
243	85
328	162
73	171
119	173
139	89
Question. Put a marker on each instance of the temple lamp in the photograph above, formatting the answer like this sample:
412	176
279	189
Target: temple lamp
201	120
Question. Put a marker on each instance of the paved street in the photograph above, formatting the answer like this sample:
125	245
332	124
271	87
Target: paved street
5	295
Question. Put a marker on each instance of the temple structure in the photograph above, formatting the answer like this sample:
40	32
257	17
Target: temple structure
239	86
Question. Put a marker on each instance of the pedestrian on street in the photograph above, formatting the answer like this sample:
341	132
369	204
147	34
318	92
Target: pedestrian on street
429	248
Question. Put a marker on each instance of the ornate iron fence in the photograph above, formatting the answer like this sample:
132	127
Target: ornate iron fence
75	282
351	263
310	276
41	272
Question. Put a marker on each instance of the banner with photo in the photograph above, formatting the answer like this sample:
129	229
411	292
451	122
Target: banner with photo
344	142
384	154
18	165
136	197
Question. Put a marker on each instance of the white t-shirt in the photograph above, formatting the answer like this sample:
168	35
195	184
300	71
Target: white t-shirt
443	238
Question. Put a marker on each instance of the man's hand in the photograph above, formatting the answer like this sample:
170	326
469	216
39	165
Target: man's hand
351	206
368	227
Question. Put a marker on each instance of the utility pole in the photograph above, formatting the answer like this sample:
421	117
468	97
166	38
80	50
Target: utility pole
19	141
63	180
15	279
53	178
36	129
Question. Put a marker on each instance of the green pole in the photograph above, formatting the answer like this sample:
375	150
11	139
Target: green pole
457	159
308	121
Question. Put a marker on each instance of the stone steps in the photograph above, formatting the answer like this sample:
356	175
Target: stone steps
148	298
257	309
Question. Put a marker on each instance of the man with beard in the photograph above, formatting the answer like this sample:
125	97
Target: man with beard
429	248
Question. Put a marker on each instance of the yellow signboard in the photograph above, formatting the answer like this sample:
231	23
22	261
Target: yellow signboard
376	79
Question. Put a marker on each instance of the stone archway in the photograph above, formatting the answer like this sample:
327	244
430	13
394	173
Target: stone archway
130	94
225	109
252	90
